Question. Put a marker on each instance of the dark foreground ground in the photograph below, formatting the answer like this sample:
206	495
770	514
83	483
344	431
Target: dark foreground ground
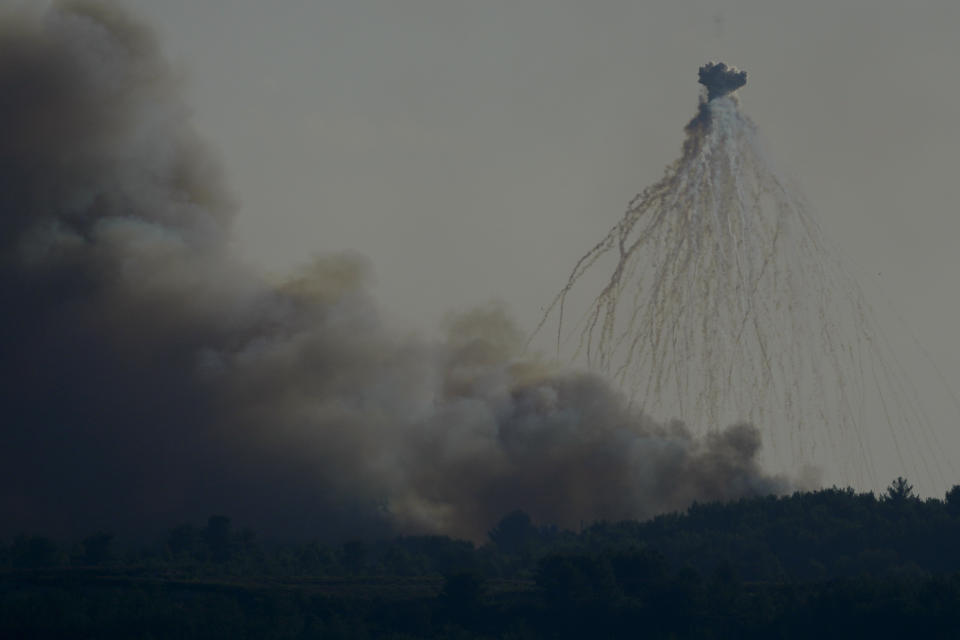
825	564
121	604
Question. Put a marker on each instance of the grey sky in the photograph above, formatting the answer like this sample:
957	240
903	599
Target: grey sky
474	150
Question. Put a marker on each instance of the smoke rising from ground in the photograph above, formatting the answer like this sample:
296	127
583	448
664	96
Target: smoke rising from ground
150	377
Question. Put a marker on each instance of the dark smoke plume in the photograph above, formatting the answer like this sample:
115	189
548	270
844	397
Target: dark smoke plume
149	377
719	79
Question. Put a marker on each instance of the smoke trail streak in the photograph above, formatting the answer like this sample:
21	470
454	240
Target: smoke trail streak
149	376
724	302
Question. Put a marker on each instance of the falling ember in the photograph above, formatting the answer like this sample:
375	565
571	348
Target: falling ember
723	302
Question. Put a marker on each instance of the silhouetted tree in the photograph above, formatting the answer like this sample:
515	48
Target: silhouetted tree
900	491
952	500
637	571
34	551
183	540
314	559
514	533
97	548
216	538
575	579
355	554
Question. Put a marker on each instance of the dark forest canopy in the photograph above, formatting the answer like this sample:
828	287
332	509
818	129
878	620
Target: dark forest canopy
805	536
761	567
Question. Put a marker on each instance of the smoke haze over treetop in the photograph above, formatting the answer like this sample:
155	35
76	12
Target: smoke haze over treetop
150	376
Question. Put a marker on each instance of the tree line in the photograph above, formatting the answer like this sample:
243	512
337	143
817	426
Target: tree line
775	566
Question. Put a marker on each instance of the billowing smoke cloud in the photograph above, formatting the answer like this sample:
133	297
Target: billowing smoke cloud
719	79
149	377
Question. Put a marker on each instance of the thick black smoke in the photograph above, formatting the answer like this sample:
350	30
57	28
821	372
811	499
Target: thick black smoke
148	377
719	79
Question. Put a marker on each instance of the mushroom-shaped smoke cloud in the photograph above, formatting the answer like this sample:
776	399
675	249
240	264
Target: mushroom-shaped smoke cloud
719	79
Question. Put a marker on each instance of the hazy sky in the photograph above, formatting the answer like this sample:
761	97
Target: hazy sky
474	150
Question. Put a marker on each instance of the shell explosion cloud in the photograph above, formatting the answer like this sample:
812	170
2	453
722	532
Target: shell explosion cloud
720	80
721	299
151	378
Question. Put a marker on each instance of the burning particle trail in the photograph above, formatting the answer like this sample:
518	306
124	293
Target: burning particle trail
724	302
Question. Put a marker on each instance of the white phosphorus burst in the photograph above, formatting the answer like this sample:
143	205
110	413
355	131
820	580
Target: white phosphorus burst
725	303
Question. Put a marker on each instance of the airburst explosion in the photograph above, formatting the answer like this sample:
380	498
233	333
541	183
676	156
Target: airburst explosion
724	302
